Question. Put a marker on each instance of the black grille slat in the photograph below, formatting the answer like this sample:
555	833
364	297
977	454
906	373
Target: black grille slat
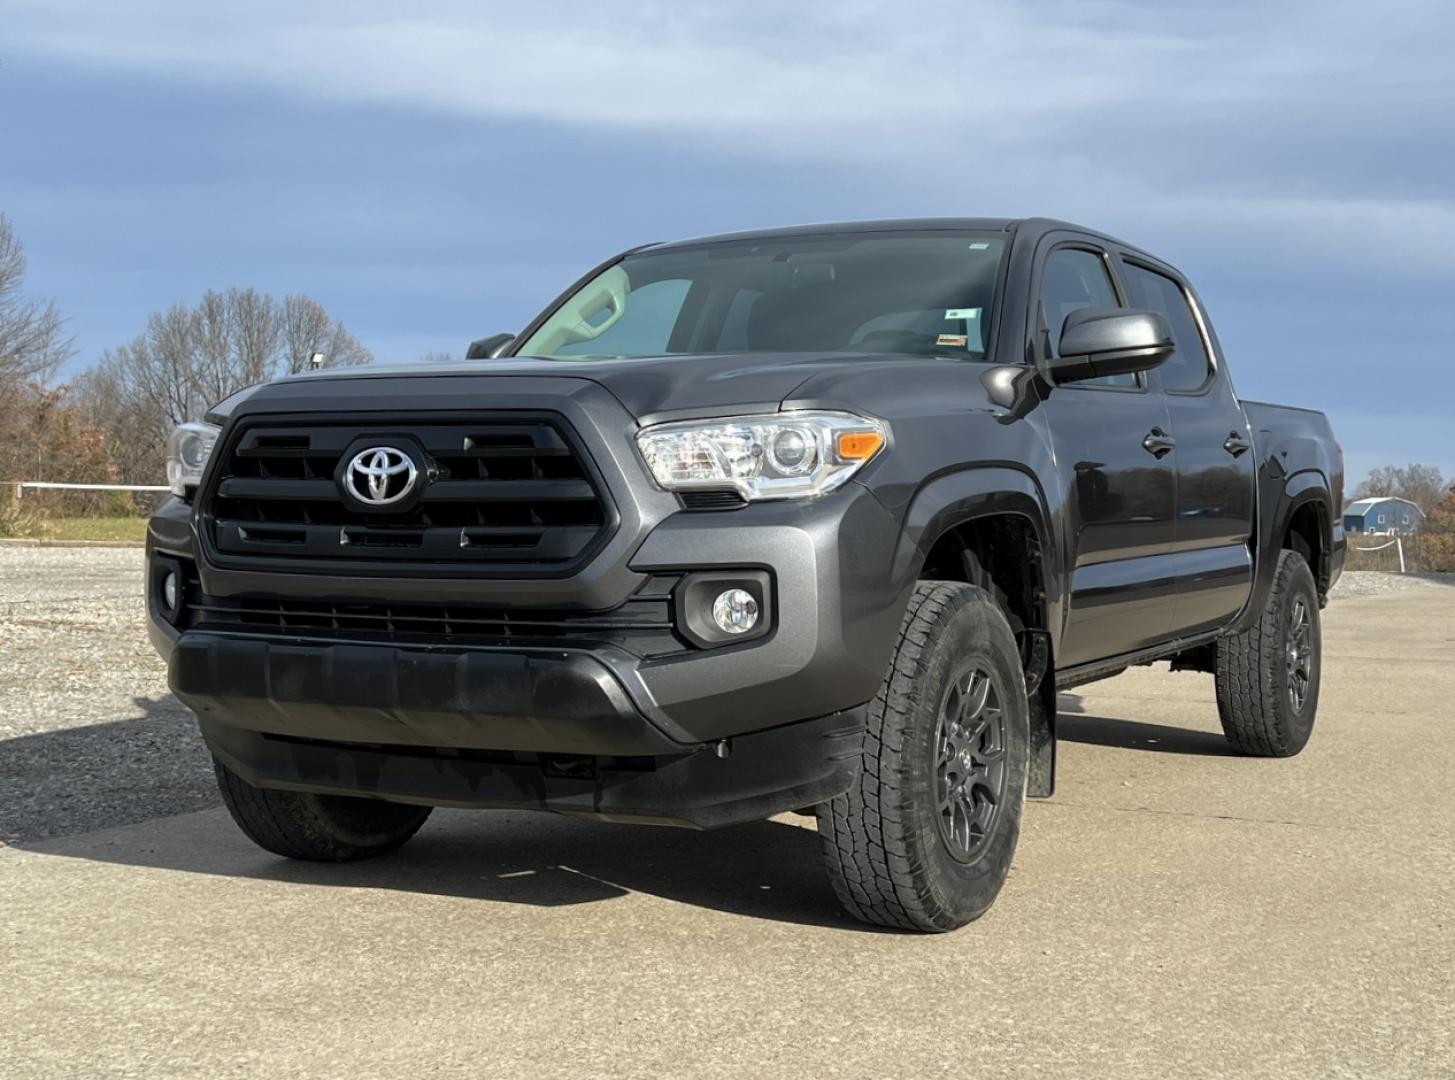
442	542
509	491
712	500
501	441
237	487
387	618
644	625
513	492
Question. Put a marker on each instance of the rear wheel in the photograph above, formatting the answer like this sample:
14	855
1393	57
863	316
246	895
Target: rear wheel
317	828
1268	676
924	839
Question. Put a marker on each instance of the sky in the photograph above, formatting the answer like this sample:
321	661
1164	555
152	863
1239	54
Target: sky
436	172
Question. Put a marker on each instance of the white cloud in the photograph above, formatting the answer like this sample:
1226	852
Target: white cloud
844	76
1083	109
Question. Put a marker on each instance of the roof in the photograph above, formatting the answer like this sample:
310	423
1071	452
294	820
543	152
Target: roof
1363	506
1033	225
832	228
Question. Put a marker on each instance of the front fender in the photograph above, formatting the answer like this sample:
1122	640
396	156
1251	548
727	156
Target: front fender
964	495
954	498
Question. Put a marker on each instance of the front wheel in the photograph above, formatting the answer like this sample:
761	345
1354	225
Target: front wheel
316	828
924	839
1268	675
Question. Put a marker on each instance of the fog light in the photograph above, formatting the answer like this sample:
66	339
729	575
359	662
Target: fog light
169	591
735	611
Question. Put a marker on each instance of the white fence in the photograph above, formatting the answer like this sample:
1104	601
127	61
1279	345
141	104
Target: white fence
43	485
1396	543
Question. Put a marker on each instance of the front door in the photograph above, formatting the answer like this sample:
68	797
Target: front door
1214	458
1112	444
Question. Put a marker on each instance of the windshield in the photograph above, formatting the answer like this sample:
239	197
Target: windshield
909	293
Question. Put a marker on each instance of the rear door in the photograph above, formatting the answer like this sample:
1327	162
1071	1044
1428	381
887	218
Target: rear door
1119	483
1214	455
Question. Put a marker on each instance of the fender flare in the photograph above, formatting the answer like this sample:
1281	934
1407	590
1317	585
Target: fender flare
1291	494
951	499
954	498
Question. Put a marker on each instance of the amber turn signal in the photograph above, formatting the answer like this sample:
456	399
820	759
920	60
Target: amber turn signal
859	445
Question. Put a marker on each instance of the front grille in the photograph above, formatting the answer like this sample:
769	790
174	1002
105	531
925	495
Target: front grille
508	492
643	626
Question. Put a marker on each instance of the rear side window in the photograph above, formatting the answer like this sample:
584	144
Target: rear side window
1187	368
1075	279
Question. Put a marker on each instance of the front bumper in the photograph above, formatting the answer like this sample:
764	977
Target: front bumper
559	702
495	726
766	773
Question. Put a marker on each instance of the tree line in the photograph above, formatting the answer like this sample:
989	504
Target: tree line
1422	485
109	424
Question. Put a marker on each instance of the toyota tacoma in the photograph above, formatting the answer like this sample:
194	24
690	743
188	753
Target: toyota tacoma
811	519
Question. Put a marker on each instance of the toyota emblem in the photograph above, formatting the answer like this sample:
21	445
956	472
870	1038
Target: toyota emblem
380	475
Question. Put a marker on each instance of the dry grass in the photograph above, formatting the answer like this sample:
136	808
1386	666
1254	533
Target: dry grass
90	528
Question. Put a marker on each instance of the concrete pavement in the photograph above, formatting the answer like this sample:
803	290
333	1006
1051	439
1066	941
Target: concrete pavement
1173	911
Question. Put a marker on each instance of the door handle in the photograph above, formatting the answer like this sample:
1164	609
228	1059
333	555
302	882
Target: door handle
1158	443
1236	445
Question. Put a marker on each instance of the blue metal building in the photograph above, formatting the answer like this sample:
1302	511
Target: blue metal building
1388	514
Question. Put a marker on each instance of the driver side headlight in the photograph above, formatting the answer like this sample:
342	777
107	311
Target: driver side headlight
188	449
785	455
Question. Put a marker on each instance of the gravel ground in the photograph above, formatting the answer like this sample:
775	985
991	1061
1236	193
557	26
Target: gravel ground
89	736
1355	584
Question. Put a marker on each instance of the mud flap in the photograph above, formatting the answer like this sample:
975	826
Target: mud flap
1041	774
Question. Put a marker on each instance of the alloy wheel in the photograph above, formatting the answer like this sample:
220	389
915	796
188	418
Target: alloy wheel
970	763
1299	658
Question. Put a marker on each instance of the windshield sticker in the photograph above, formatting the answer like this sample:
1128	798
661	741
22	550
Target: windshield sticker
962	313
981	246
956	340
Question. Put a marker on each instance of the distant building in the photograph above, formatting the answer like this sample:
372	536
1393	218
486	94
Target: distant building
1382	515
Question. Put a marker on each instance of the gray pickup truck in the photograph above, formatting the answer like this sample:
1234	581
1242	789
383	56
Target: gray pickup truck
808	519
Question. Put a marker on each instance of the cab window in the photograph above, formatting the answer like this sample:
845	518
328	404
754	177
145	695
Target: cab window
1187	368
1075	279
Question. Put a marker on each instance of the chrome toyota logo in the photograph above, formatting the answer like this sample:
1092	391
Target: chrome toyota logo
380	475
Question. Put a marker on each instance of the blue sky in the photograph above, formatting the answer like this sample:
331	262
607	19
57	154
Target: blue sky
437	171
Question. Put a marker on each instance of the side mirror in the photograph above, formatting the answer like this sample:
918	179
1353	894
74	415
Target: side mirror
488	348
1096	342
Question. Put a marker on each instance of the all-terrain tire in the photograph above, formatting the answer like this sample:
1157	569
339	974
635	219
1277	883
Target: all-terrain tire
317	828
891	861
1262	713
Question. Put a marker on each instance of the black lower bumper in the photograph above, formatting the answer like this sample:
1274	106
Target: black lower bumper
761	775
556	701
534	729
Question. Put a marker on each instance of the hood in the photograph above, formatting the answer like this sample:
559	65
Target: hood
658	388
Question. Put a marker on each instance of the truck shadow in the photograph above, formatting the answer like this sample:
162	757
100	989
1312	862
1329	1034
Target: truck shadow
140	792
1075	726
765	870
1135	735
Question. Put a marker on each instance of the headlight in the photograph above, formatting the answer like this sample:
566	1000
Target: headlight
188	449
782	456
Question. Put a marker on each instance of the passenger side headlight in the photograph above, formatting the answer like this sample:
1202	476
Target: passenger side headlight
781	456
188	449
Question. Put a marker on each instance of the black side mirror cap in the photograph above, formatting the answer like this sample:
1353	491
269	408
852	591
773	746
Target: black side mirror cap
1096	342
488	348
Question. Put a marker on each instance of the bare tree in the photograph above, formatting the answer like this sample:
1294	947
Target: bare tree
309	330
190	357
1422	485
257	322
32	341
